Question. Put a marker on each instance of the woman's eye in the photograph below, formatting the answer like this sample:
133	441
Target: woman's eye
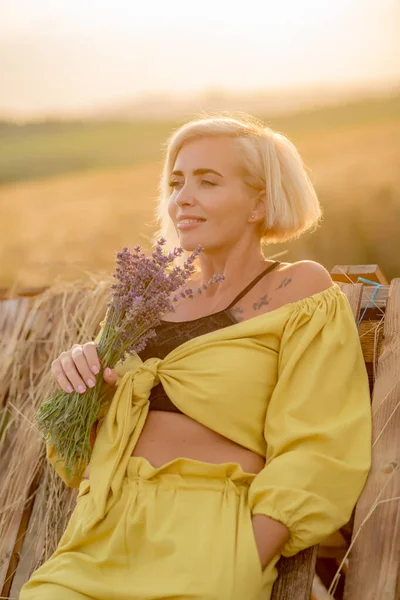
174	184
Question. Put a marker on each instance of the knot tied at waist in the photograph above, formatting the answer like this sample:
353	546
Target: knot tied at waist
119	434
139	382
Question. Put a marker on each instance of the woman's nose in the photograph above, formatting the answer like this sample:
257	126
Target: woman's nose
185	198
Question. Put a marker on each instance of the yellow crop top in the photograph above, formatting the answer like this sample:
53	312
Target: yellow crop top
290	384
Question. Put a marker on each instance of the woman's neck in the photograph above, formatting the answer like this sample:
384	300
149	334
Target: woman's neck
237	266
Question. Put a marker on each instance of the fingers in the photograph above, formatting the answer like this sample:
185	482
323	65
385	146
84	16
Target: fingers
92	359
110	376
73	370
61	379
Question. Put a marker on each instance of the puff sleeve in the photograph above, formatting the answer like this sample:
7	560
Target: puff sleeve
57	462
318	425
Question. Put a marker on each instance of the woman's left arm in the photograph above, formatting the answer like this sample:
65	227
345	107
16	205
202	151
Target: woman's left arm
318	430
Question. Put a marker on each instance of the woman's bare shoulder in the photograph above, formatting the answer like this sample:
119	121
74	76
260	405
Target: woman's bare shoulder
294	281
291	282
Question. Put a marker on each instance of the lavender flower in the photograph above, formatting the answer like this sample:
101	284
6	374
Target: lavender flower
146	288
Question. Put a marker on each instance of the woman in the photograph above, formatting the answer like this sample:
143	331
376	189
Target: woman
243	431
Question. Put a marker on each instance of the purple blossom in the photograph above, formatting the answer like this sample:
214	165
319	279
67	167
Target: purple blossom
145	288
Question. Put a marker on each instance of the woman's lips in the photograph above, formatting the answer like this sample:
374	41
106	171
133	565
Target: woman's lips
185	224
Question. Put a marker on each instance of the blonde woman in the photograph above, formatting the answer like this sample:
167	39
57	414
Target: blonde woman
243	431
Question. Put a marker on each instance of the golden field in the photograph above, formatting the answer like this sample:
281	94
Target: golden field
67	225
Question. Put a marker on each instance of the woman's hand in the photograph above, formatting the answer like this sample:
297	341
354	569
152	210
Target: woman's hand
77	368
270	536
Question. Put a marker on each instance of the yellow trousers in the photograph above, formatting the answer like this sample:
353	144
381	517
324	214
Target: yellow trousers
180	531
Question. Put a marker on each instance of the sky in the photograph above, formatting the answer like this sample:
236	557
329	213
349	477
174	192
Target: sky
66	56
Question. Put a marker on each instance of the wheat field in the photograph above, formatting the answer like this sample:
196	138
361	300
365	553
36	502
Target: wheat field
65	225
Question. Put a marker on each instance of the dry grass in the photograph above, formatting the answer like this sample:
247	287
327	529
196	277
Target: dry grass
46	325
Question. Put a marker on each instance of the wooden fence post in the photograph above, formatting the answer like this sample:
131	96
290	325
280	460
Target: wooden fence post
374	565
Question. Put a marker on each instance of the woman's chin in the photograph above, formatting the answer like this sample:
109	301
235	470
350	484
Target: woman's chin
189	247
190	244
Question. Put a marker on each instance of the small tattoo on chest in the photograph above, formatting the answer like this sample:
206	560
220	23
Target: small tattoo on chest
263	301
284	283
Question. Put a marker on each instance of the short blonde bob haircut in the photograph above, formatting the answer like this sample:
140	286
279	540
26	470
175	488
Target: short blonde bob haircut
270	163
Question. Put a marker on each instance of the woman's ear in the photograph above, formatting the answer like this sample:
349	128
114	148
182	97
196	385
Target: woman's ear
259	209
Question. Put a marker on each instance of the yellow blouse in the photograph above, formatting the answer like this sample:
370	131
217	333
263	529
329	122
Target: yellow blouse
291	385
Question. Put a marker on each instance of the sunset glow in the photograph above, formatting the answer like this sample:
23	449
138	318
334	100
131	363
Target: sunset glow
70	56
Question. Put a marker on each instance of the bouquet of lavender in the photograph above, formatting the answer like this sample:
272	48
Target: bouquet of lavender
147	287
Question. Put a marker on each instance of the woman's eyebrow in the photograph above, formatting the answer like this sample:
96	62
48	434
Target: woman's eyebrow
198	172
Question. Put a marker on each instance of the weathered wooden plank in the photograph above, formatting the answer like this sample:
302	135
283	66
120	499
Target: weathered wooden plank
374	565
296	576
348	273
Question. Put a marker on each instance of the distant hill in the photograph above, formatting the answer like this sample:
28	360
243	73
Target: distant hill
259	102
41	149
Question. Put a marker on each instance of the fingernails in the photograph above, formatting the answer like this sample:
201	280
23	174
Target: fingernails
91	383
81	389
70	389
95	369
107	371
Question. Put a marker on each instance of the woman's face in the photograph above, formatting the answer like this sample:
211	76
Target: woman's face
210	205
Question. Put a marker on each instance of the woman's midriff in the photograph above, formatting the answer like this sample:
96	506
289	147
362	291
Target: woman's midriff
169	435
